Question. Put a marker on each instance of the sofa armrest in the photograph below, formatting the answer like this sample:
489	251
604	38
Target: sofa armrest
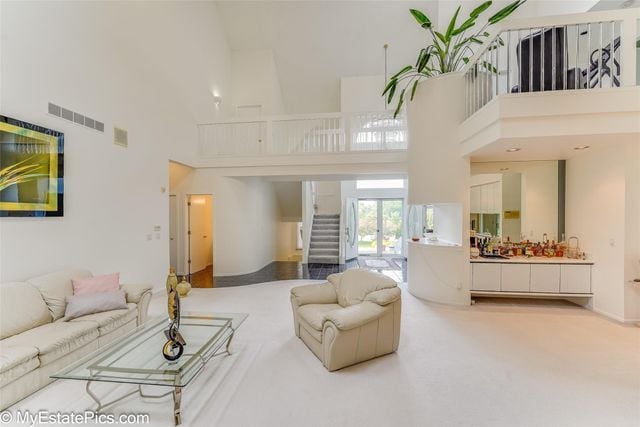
354	316
141	296
384	296
324	293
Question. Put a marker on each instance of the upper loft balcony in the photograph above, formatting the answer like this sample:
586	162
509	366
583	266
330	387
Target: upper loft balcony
541	87
374	142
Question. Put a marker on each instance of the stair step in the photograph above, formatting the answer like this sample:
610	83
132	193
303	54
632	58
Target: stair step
321	251
324	245
323	259
318	221
325	239
326	216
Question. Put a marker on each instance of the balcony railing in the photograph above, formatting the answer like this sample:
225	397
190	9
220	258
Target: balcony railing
301	135
565	52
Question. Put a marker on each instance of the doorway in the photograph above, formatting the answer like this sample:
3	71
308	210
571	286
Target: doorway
200	240
380	227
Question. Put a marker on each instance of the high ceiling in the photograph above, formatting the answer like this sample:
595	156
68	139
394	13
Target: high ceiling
315	43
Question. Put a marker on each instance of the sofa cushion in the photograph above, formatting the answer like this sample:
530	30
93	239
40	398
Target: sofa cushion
314	314
109	321
355	284
21	308
99	302
91	285
16	362
54	340
56	287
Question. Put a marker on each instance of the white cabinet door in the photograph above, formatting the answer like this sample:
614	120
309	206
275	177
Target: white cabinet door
515	277
486	277
495	197
475	199
575	279
545	278
484	199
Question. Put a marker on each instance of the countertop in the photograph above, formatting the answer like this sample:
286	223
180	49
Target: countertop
436	243
531	260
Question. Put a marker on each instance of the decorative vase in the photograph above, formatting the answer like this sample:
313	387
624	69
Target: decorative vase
172	280
184	287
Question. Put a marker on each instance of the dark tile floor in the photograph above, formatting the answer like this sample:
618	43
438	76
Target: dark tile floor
290	270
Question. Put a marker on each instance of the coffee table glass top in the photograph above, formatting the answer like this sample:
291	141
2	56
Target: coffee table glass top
137	358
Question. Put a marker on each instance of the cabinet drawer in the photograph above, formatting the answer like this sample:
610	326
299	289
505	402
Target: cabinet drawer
545	278
486	277
575	279
515	277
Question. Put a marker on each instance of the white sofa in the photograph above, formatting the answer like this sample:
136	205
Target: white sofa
352	318
36	340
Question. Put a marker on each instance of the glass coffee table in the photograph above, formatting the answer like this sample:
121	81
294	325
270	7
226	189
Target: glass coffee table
137	357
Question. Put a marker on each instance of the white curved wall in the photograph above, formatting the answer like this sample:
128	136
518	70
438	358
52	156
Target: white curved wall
439	175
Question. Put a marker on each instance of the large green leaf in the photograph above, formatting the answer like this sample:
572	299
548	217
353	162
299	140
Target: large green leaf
424	61
413	89
505	11
478	10
391	83
452	24
464	27
421	18
400	102
391	93
399	73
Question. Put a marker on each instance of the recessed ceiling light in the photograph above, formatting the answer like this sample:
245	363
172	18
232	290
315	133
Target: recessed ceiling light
513	149
581	147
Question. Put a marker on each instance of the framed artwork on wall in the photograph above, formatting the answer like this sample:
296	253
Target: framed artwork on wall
31	170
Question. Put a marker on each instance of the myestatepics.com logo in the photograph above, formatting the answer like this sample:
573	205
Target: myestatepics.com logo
65	418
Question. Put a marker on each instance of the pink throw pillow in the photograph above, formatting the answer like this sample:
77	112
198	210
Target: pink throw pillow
93	285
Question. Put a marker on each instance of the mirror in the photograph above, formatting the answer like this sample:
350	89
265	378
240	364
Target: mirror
518	200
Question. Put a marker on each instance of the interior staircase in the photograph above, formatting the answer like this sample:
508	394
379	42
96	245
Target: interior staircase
324	247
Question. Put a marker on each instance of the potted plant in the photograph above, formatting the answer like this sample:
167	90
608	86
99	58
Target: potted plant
446	51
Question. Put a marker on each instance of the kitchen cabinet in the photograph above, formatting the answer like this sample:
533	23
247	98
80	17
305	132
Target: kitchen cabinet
485	277
475	199
515	277
487	198
531	276
575	279
545	278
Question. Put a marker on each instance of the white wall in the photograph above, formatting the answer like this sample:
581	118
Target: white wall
362	93
602	210
146	67
255	81
328	197
539	196
245	217
287	240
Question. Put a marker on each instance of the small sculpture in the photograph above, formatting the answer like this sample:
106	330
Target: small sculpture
174	347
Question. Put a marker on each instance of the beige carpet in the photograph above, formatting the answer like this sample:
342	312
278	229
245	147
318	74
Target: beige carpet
492	364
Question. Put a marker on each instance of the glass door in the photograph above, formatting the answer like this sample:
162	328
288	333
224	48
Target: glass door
380	227
368	229
391	227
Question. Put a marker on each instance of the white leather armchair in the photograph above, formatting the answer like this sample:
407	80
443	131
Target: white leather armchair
353	317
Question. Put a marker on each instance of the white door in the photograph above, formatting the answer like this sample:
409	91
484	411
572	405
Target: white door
200	228
173	233
351	228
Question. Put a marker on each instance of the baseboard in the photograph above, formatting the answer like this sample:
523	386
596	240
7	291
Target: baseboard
614	317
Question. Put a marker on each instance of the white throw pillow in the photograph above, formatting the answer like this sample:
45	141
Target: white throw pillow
81	305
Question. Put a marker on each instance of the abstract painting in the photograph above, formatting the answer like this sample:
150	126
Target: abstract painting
31	169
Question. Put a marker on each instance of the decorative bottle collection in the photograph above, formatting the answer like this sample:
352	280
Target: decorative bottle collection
495	247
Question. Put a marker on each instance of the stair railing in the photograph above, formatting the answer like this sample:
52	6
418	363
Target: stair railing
565	52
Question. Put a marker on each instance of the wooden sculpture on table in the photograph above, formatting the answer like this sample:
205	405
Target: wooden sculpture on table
174	347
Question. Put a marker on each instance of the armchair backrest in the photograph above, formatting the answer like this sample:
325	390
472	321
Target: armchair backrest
353	285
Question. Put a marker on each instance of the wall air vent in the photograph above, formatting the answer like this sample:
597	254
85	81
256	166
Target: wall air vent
120	137
76	118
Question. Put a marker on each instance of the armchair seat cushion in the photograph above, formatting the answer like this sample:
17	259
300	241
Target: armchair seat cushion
55	340
108	321
314	314
16	361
